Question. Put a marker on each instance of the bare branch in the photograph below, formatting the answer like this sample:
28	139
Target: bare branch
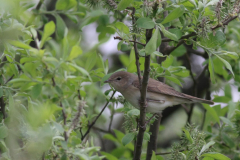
170	49
134	41
64	121
136	50
224	23
92	124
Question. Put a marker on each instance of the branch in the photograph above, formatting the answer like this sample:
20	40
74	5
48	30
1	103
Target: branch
170	49
136	50
134	41
152	144
9	79
64	121
3	105
199	53
143	104
194	91
91	125
183	37
224	23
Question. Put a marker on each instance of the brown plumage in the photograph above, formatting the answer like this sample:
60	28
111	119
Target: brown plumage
159	95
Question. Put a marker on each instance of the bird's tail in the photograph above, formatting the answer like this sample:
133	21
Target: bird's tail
199	100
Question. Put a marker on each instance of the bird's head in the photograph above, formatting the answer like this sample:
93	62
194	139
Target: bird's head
120	80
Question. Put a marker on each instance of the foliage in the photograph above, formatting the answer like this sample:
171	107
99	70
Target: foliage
51	78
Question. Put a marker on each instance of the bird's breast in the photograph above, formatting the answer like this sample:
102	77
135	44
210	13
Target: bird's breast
156	102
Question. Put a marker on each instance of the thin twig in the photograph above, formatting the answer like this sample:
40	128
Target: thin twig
194	92
183	37
91	125
143	104
9	79
136	50
170	49
224	23
111	120
53	82
134	41
64	121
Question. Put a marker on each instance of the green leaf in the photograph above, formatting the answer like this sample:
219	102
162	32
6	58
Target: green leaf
20	44
128	138
214	40
36	90
211	69
206	146
221	99
110	137
61	27
229	141
146	136
154	157
145	22
208	158
152	44
232	55
109	156
159	54
119	134
65	4
75	52
59	90
124	4
176	32
178	12
188	136
216	155
167	33
227	65
231	109
122	27
227	121
48	30
82	70
174	80
212	112
3	131
91	61
133	112
168	62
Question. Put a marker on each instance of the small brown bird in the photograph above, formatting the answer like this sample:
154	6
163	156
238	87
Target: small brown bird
159	95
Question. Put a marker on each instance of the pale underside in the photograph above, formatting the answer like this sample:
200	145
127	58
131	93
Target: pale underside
156	102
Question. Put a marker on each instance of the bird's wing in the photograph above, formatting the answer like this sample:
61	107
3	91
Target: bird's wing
159	87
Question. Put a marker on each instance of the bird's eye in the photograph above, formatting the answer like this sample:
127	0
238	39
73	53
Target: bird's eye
119	78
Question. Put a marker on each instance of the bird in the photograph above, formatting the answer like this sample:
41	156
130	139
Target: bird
158	97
